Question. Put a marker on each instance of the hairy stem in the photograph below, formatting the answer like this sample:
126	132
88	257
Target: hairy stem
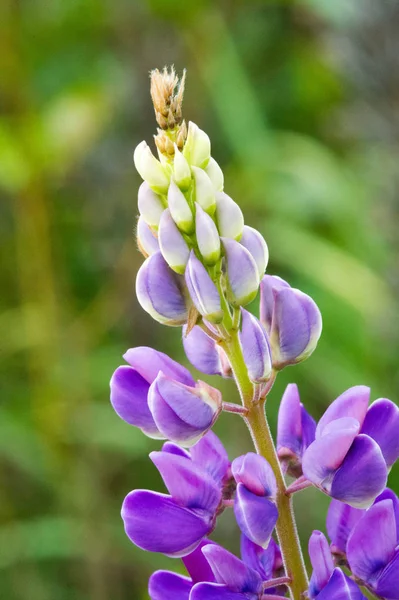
256	420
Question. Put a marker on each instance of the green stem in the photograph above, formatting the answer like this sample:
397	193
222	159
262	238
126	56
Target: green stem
256	420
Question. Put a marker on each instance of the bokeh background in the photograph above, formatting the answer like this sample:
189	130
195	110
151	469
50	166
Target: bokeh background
301	101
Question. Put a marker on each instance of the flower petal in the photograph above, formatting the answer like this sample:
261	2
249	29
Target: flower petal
269	286
231	571
254	242
256	515
165	584
322	563
352	403
341	519
363	474
387	585
216	591
242	273
255	473
202	290
382	424
340	587
201	351
325	455
147	241
211	455
388	494
372	543
149	362
260	559
155	522
129	391
229	217
256	349
187	483
197	565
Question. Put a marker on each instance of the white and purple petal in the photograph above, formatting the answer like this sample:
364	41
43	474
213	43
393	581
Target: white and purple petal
210	454
229	217
322	563
172	244
256	516
341	520
340	587
202	290
255	347
149	362
382	424
352	403
231	571
201	351
255	473
255	243
269	286
242	273
147	240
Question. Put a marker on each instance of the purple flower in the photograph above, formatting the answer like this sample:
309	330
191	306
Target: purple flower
150	205
202	290
342	519
326	582
130	386
234	579
147	240
266	561
372	550
242	273
344	462
165	584
183	413
204	354
292	321
175	524
254	242
254	505
173	245
295	431
256	349
160	291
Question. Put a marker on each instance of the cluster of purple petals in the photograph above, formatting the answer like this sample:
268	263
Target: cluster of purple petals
214	573
348	454
367	542
158	395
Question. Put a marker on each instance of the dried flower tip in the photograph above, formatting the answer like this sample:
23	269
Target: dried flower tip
167	97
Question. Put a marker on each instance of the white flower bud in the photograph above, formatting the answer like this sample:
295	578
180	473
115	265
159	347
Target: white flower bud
230	220
204	192
180	209
150	205
150	169
197	149
215	174
207	236
181	171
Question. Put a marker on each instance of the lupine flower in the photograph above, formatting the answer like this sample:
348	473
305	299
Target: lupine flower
181	170
175	524
242	273
173	245
234	579
166	584
295	431
147	241
266	561
197	149
204	354
292	321
160	291
345	462
202	290
130	385
342	519
204	190
215	174
255	243
256	349
254	505
372	550
326	582
183	413
229	217
207	236
150	169
150	205
180	209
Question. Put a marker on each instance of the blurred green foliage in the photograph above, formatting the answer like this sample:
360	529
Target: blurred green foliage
300	102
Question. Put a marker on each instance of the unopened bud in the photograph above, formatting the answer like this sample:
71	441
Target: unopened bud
204	192
256	349
242	273
230	220
150	169
197	148
173	246
215	174
159	291
150	205
181	170
207	236
255	243
179	209
202	290
146	238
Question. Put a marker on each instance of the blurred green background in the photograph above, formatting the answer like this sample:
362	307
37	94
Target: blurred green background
301	101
